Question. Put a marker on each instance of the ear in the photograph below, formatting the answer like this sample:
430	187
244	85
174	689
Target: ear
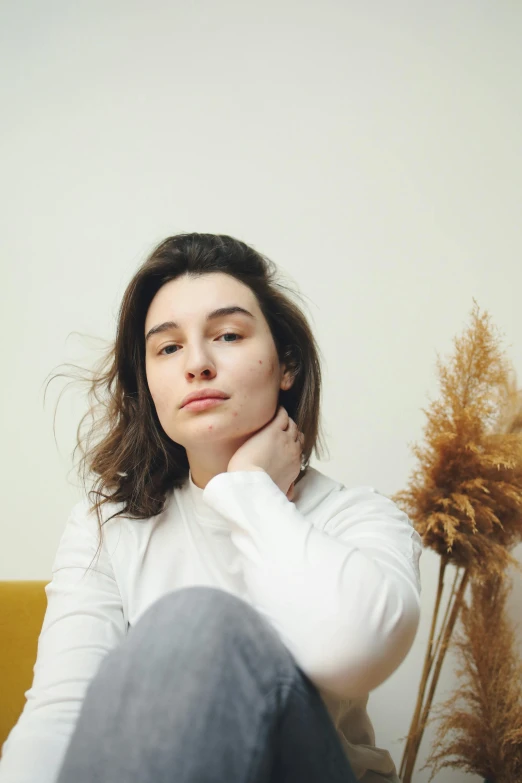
287	378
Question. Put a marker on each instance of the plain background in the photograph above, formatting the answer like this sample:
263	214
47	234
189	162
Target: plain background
372	150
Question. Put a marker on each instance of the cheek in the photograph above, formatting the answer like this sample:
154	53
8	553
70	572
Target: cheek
254	384
265	369
160	398
261	377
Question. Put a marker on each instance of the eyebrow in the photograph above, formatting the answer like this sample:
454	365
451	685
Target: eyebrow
221	312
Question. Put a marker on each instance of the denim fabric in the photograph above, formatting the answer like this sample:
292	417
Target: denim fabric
202	690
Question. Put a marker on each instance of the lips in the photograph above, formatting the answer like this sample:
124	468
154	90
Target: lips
203	403
204	394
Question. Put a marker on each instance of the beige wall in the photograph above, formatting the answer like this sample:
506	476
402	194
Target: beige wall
371	149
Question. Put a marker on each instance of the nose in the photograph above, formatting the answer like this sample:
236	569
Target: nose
198	363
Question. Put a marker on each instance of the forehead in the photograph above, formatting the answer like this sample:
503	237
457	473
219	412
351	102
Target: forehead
192	297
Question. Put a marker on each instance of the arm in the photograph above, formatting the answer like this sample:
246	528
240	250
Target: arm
83	621
344	594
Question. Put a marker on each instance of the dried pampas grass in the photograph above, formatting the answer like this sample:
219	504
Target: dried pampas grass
465	498
480	726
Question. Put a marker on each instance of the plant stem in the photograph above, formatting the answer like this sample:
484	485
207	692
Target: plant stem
457	604
446	613
428	660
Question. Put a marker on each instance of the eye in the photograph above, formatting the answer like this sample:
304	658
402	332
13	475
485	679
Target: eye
170	345
226	334
230	334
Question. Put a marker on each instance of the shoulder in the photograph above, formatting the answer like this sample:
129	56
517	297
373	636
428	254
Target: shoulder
329	500
83	514
316	489
362	517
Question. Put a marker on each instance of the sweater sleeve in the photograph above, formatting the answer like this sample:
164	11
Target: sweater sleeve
344	593
83	621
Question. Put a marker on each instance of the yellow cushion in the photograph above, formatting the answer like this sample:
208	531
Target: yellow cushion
22	610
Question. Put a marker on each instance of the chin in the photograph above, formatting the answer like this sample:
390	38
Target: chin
203	430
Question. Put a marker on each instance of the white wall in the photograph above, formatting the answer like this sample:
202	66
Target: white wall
371	149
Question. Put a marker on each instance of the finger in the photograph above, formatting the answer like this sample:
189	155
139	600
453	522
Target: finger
292	427
282	415
288	425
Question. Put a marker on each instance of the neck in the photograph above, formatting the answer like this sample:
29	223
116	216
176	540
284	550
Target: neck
204	465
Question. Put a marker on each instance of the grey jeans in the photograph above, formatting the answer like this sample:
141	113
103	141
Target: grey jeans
202	690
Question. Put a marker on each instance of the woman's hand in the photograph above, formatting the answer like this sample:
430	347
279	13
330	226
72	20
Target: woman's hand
276	448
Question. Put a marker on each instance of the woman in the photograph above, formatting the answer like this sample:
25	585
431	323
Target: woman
243	604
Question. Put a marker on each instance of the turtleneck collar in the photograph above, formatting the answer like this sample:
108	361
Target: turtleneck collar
204	512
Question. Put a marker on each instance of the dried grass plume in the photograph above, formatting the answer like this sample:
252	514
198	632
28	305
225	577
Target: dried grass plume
480	725
465	498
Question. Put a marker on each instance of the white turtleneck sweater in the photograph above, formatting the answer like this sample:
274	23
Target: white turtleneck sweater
335	571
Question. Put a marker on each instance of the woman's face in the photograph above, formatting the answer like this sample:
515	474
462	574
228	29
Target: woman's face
194	354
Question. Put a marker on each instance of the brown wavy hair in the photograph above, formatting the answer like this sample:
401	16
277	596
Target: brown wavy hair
135	462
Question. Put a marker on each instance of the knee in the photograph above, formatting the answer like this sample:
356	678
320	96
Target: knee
204	610
203	620
212	604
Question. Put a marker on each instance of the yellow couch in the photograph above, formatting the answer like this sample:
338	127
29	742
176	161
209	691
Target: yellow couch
22	610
